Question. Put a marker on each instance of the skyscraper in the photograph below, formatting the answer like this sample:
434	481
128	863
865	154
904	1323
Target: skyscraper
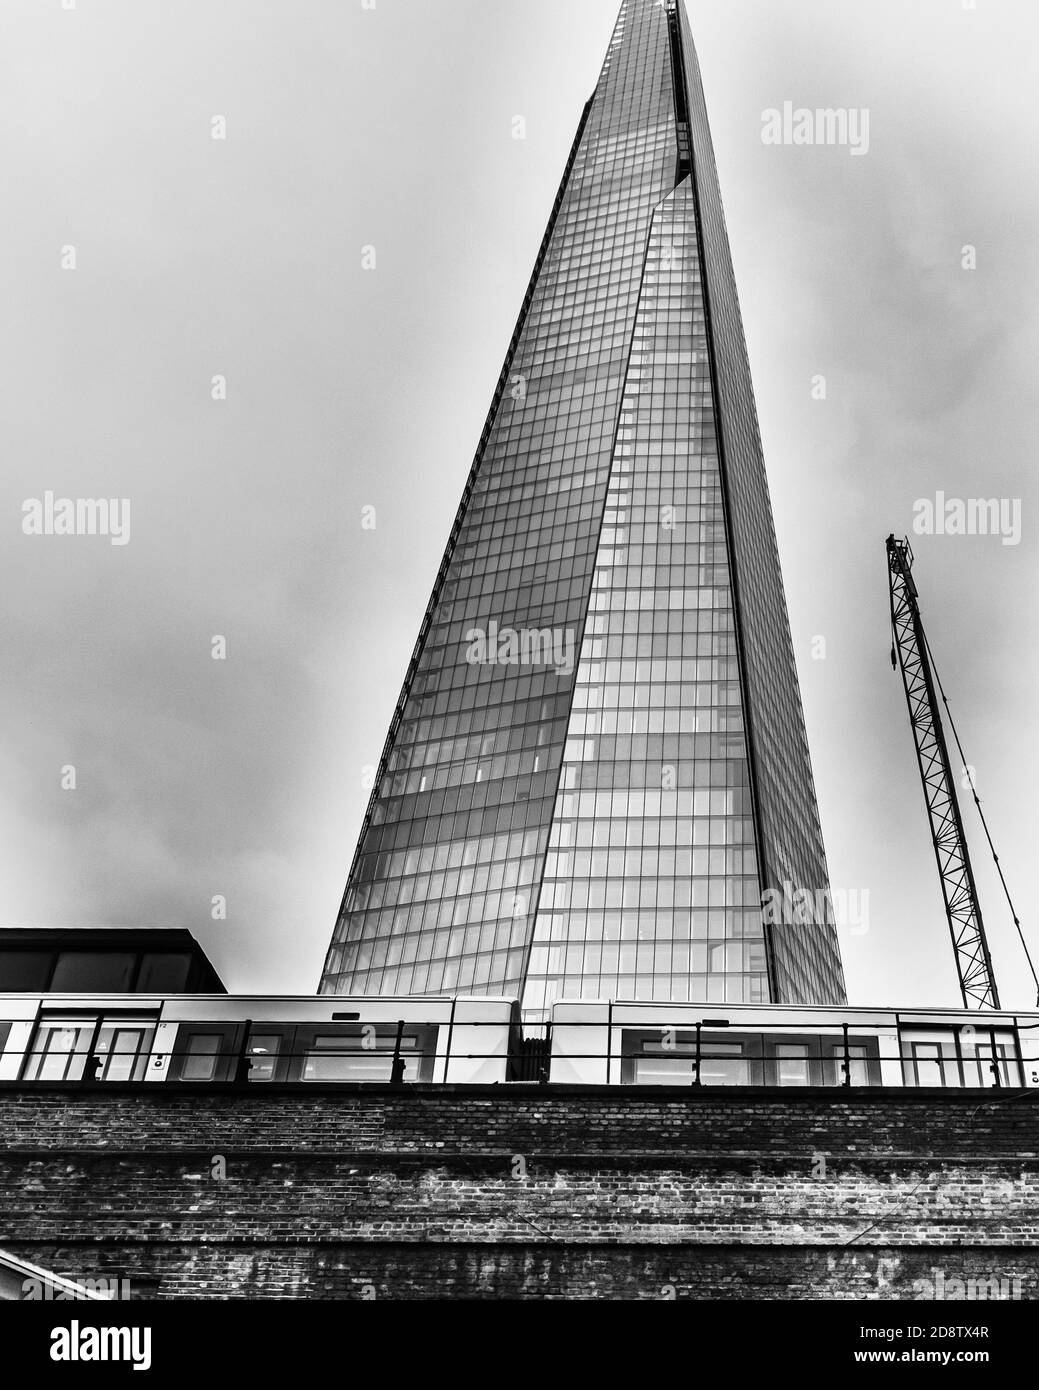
598	764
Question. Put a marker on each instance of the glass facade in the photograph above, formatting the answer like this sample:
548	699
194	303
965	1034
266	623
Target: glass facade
590	778
650	888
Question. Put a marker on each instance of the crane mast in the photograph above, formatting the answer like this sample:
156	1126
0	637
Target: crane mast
977	982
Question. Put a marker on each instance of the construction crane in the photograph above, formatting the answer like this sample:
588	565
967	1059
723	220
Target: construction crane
977	982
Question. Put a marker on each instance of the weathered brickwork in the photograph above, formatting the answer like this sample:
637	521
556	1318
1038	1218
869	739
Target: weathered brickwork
486	1192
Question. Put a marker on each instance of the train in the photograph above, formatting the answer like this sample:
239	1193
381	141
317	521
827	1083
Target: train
329	1040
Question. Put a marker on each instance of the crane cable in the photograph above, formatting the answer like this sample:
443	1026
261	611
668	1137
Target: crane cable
981	813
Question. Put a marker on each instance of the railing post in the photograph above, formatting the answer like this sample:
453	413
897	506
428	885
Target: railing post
397	1068
696	1062
243	1066
996	1078
544	1061
93	1064
450	1040
847	1058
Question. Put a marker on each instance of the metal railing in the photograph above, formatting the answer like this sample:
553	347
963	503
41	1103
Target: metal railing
409	1051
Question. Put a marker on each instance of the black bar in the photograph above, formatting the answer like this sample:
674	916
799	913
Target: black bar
397	1067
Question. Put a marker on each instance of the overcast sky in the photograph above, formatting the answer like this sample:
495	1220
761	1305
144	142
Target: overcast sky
241	258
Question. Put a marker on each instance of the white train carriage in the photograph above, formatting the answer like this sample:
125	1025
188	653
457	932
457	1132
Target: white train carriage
222	1038
602	1043
328	1039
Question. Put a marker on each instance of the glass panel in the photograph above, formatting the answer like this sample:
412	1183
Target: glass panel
347	1066
730	1069
337	1058
859	1065
60	1050
979	1072
263	1055
24	971
792	1064
721	1064
569	778
201	1054
122	1050
927	1058
164	972
667	1071
93	972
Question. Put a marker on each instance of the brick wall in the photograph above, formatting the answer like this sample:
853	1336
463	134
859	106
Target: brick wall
476	1192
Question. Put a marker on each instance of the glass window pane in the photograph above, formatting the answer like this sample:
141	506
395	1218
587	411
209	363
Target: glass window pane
164	972
199	1062
92	971
980	1071
123	1051
792	1065
341	1058
263	1055
928	1064
859	1065
24	971
60	1050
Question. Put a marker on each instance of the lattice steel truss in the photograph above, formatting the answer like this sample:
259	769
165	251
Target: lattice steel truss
977	983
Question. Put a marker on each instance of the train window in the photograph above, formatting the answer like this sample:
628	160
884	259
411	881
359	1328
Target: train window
978	1070
662	1067
792	1064
928	1064
263	1055
59	1050
122	1049
201	1053
5	1028
723	1064
117	1047
337	1057
857	1056
672	1064
90	972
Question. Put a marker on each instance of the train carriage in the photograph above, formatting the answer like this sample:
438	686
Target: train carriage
329	1039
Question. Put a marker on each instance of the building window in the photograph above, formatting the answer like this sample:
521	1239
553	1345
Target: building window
164	972
92	972
25	972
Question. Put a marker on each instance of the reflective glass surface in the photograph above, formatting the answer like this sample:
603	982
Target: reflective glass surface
588	782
